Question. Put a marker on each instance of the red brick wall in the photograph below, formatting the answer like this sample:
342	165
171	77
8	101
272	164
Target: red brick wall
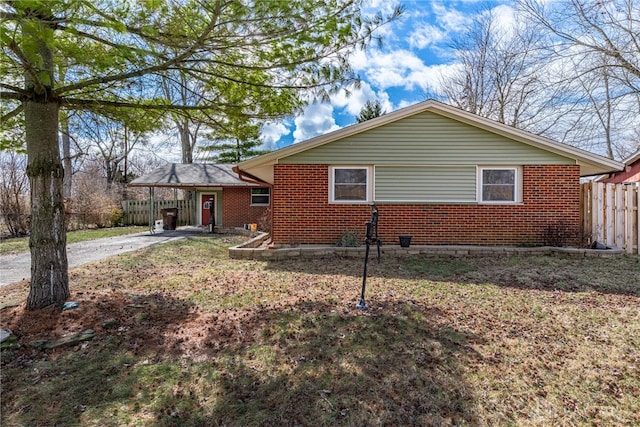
237	209
302	214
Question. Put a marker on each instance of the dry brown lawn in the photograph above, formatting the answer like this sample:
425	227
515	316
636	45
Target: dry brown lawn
193	338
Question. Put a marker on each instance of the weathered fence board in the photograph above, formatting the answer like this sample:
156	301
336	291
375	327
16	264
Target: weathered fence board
136	212
610	215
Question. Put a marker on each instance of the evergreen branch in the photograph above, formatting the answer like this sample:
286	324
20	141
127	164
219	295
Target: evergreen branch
14	95
38	86
144	71
89	104
12	113
15	89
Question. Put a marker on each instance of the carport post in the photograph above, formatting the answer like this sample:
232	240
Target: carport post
152	227
175	205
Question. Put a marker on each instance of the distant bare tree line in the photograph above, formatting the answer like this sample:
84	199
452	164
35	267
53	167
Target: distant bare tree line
566	70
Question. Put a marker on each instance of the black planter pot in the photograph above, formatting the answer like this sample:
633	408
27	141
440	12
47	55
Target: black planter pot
405	241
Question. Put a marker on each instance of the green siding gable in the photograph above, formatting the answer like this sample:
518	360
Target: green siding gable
426	139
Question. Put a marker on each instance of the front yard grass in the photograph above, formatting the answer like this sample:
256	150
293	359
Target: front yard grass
200	339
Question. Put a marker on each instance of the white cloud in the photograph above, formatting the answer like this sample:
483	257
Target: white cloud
384	6
402	69
389	69
271	134
505	15
358	60
504	20
426	35
316	119
451	19
354	102
406	103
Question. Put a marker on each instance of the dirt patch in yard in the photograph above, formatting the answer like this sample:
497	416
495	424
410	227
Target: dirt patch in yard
151	321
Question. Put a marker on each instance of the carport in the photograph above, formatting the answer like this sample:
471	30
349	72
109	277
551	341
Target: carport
234	202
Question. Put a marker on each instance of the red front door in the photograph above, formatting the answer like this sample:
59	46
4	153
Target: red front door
208	205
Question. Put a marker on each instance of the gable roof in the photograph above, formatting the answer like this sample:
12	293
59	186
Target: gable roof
590	164
178	175
632	159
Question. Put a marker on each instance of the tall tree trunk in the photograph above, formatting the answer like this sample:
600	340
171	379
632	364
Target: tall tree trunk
48	240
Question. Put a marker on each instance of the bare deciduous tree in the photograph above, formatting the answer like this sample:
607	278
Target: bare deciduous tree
178	87
594	29
596	45
14	189
567	70
502	75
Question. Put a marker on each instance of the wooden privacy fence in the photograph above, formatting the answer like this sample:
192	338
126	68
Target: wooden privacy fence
136	212
610	215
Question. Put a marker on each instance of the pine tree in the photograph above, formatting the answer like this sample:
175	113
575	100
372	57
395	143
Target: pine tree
369	111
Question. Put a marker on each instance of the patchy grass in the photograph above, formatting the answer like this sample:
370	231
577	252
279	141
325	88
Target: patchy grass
21	244
205	340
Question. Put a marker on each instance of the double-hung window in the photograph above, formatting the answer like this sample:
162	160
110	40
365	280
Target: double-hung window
350	184
499	184
260	196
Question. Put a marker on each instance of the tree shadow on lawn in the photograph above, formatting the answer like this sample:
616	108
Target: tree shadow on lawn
310	364
307	363
57	386
618	275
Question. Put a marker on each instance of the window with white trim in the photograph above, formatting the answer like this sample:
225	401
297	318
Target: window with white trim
499	185
350	184
260	196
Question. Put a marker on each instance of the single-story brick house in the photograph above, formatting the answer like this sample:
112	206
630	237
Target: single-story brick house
629	175
437	173
236	202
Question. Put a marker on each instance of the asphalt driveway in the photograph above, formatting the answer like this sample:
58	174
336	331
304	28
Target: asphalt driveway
14	268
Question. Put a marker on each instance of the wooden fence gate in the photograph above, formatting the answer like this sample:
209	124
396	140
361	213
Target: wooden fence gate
610	215
136	212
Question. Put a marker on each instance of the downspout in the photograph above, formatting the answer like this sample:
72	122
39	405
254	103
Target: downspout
250	179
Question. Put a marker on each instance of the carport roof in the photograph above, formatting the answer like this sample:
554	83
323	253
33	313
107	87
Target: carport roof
178	175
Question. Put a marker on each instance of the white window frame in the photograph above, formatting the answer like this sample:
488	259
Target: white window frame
261	195
517	190
369	186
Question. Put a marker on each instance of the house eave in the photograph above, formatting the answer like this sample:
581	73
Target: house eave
632	159
185	186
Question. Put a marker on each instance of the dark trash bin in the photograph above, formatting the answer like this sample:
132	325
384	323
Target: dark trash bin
169	218
405	241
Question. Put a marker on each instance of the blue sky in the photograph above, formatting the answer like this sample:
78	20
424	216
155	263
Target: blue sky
414	54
